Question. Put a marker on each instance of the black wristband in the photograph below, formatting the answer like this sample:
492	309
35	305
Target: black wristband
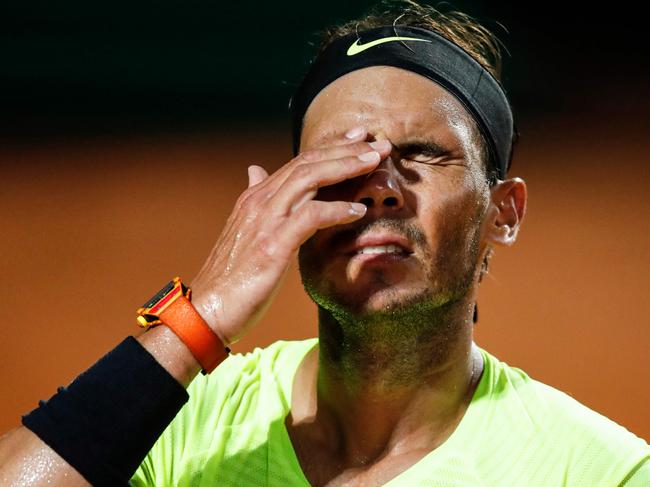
106	421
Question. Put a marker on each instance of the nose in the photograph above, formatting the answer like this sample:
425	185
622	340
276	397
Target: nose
380	190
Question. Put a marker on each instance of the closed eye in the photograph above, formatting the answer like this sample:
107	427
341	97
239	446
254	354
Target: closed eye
421	157
421	151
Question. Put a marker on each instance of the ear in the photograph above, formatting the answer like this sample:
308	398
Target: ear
508	207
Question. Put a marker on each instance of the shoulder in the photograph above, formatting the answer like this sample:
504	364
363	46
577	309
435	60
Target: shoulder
243	373
222	415
593	446
276	357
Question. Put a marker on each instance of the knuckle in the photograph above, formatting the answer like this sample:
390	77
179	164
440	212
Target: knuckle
267	245
307	212
349	163
361	147
311	186
311	155
301	172
249	201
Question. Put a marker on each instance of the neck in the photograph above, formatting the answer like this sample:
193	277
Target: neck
390	380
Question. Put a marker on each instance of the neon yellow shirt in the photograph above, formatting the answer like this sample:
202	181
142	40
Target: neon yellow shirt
516	432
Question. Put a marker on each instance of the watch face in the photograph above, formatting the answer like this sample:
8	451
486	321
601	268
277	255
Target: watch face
159	295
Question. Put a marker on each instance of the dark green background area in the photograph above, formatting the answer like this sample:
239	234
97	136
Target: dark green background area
118	67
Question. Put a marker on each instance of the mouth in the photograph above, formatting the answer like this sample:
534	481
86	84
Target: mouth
379	246
391	249
364	258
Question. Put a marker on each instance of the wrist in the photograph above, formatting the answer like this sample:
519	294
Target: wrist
210	307
171	353
105	421
172	307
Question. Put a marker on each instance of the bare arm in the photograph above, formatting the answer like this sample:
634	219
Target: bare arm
25	460
270	221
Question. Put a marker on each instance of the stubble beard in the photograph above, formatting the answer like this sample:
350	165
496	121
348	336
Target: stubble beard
421	322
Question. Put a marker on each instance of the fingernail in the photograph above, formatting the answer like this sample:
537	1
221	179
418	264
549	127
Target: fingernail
354	133
372	156
357	208
380	145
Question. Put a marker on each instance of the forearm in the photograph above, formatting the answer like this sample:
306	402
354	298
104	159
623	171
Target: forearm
249	259
28	460
170	352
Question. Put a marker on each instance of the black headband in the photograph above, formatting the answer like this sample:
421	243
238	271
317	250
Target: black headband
424	52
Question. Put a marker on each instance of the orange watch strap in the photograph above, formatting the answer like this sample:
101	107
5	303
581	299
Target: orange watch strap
186	322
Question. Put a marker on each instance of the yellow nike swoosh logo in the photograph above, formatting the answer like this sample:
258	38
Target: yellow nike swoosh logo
356	48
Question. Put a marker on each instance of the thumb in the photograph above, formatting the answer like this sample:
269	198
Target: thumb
256	174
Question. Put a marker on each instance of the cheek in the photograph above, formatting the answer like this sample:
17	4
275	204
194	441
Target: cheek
449	214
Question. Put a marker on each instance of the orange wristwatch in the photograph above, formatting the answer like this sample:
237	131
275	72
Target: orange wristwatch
171	306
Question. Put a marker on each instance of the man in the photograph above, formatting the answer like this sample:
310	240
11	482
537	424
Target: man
394	203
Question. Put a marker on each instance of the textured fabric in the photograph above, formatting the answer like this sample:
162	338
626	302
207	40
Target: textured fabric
108	418
516	431
427	53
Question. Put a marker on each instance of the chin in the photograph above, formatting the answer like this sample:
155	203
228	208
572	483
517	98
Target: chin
384	300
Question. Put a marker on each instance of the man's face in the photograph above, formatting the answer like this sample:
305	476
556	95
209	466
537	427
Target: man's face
428	198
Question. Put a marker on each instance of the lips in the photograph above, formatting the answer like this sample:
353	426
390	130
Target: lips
381	249
379	243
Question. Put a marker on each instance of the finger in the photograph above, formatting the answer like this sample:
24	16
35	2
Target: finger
354	134
351	142
316	215
304	182
256	174
358	132
383	147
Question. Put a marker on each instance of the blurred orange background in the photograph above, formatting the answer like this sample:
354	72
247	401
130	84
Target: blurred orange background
91	228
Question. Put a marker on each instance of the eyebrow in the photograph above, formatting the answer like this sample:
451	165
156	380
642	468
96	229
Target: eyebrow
428	147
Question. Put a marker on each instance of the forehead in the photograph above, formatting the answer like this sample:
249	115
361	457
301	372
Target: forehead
390	102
